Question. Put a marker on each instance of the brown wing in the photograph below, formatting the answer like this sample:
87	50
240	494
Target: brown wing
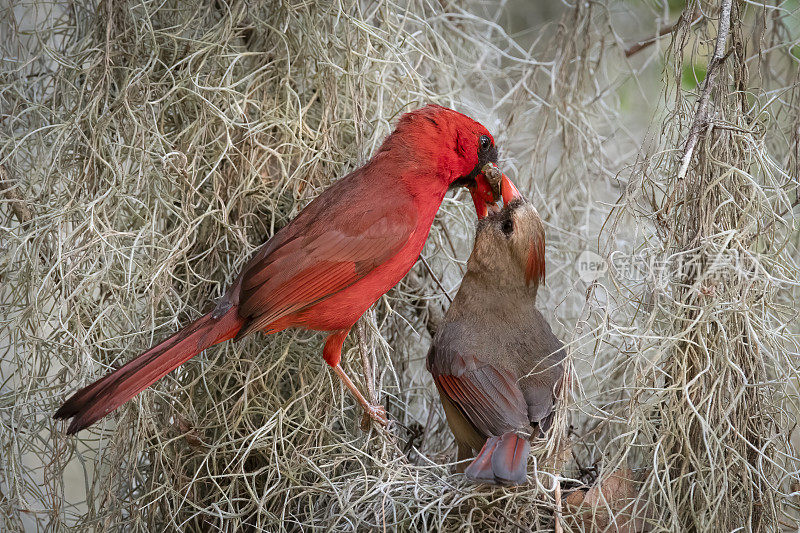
311	265
542	384
488	397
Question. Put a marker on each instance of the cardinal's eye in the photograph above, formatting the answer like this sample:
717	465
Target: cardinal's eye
486	142
507	227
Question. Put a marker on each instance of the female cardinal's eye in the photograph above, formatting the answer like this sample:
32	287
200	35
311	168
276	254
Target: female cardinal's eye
486	142
508	226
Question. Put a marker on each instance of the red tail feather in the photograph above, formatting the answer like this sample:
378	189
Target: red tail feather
95	401
502	461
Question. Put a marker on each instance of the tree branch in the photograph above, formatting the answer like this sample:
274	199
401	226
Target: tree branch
641	45
701	115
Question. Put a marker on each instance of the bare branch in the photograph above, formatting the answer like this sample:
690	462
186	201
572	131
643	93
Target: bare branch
701	115
641	45
557	512
435	277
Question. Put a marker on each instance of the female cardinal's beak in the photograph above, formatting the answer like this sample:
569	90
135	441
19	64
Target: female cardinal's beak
490	185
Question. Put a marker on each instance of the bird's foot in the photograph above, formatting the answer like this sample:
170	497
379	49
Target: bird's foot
376	413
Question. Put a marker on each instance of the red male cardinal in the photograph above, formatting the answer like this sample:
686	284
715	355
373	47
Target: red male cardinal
322	271
495	361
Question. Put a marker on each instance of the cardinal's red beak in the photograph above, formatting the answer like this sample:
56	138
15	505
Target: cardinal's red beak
491	185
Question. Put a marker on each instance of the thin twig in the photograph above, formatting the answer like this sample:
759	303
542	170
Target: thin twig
558	528
435	277
641	45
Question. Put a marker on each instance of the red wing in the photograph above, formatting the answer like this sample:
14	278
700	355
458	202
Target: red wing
488	397
315	265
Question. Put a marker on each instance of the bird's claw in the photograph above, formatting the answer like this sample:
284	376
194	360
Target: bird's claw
376	413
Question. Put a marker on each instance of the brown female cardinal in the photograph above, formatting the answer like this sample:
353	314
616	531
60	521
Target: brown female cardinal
323	270
495	361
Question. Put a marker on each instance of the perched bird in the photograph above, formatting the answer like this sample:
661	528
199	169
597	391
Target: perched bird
323	270
495	361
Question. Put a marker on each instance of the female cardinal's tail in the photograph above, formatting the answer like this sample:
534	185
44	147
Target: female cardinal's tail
95	401
502	461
